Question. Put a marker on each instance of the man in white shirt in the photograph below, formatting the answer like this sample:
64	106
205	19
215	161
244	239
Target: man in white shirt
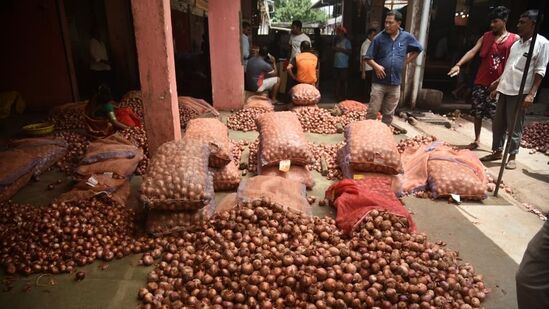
296	38
365	69
245	42
99	61
509	83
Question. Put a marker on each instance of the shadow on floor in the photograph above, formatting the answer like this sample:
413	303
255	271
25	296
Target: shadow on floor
537	176
445	221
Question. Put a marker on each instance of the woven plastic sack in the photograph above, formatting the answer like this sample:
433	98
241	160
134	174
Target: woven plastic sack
36	154
281	138
9	190
226	178
198	107
371	147
354	199
116	189
297	173
284	192
15	163
348	173
456	172
112	147
111	154
259	102
178	177
304	94
161	222
351	106
214	132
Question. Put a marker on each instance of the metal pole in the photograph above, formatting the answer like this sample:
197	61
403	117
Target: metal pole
518	108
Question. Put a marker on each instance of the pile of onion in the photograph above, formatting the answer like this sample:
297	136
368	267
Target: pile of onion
415	142
536	136
62	236
77	146
138	137
261	255
329	153
244	119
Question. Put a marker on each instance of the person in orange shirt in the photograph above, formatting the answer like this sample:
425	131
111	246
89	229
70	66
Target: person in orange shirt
305	65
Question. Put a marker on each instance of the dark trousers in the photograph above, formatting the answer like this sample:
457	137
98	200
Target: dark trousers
532	278
368	85
505	113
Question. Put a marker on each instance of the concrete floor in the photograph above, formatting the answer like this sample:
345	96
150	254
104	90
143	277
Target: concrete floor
474	229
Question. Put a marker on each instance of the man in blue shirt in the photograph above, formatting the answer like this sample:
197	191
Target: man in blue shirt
390	51
342	50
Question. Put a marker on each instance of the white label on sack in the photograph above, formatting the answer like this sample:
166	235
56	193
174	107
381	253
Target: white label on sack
92	182
456	198
284	166
108	174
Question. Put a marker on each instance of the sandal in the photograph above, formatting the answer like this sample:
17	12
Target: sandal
511	165
494	156
472	146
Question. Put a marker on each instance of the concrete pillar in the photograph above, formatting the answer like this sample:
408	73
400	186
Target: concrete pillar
225	54
153	36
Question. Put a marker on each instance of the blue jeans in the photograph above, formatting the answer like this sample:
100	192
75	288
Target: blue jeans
505	112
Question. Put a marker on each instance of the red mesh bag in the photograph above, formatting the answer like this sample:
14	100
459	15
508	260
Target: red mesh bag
371	147
167	222
351	106
354	199
259	102
280	191
226	178
215	133
456	172
304	94
281	138
348	173
297	173
178	177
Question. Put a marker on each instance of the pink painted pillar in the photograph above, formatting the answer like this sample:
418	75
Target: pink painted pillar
225	54
153	38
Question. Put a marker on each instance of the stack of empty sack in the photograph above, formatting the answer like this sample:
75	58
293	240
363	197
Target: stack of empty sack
370	148
283	149
25	159
178	189
444	171
106	168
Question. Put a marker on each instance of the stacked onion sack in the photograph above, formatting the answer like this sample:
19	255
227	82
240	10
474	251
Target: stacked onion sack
370	147
178	187
283	149
226	176
262	255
